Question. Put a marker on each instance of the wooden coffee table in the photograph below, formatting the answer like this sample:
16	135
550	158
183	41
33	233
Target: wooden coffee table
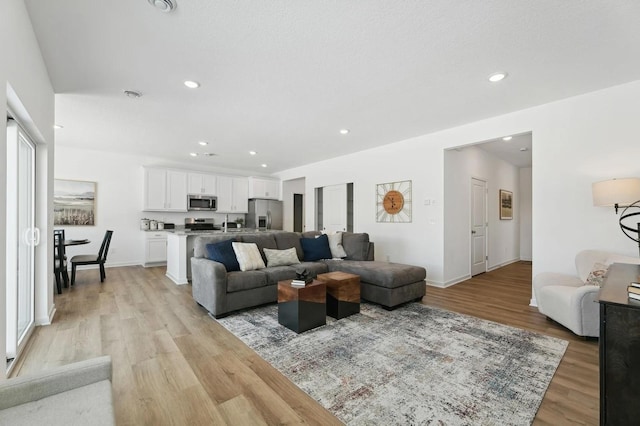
343	293
302	308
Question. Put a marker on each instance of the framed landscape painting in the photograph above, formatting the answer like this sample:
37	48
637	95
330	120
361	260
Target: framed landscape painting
506	205
74	202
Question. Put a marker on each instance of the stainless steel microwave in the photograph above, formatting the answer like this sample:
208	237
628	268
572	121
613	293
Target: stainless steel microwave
202	202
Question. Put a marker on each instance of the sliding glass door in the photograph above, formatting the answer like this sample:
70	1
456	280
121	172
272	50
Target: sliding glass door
22	236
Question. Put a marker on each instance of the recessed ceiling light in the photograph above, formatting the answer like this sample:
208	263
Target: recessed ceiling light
57	126
203	143
344	131
193	154
252	153
494	78
524	149
132	94
192	84
164	5
264	165
507	138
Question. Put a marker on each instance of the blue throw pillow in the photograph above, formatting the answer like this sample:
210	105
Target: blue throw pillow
223	252
316	248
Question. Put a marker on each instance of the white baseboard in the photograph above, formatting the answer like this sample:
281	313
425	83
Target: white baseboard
533	302
526	259
48	319
176	280
500	265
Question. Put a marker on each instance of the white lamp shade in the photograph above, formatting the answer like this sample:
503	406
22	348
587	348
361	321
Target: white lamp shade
616	191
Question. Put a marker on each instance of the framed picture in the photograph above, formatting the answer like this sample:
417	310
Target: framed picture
74	202
506	205
393	202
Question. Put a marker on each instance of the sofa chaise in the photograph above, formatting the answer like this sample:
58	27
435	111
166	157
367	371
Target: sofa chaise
222	292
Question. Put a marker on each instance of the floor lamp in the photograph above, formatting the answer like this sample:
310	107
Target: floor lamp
621	193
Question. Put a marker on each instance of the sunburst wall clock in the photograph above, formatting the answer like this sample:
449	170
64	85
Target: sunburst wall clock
393	202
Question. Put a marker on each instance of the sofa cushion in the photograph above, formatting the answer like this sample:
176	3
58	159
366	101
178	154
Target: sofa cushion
313	268
384	274
355	245
316	248
223	252
262	241
335	245
239	281
248	256
279	273
285	240
281	257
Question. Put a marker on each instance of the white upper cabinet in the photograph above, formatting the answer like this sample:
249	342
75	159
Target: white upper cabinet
165	190
202	183
233	194
264	188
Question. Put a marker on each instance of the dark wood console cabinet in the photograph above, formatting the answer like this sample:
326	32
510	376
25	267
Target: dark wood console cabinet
619	348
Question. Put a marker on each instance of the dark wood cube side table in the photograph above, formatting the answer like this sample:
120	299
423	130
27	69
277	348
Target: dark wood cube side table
343	293
302	308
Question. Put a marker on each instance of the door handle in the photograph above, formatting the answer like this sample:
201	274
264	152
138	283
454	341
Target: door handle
36	234
473	231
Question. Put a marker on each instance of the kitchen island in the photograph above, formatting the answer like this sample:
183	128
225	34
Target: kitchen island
180	250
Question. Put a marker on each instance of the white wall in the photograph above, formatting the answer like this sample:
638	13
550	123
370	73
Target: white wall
290	187
503	236
119	195
577	141
25	85
526	206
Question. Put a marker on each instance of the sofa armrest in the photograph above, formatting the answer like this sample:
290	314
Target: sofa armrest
23	389
209	284
371	252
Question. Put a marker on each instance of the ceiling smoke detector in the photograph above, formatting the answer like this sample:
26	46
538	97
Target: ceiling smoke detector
164	5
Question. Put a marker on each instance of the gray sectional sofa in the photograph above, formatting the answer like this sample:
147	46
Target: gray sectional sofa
222	292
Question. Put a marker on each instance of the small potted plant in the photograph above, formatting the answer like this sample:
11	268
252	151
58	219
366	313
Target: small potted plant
239	221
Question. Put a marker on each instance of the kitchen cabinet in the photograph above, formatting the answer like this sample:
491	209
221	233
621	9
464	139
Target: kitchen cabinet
165	190
264	188
155	248
202	183
233	194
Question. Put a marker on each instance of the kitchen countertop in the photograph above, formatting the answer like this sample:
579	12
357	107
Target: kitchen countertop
183	231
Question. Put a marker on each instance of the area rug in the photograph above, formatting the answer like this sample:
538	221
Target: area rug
413	365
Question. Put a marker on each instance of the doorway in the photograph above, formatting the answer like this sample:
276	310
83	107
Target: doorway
23	235
478	226
298	209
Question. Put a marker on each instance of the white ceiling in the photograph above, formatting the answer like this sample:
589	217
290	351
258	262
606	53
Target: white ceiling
283	77
517	150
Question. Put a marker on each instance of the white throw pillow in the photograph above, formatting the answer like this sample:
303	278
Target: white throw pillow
335	245
248	256
281	257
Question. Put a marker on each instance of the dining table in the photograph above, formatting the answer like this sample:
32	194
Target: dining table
68	243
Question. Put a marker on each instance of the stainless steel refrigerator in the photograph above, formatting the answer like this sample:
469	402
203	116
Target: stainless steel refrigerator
264	214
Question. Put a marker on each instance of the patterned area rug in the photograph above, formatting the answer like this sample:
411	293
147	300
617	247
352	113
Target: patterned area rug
413	365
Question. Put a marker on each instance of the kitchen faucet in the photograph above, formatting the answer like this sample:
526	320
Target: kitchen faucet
226	221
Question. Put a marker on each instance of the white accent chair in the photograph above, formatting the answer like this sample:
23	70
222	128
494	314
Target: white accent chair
567	300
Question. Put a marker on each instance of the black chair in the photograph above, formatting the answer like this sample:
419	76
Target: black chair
92	259
60	260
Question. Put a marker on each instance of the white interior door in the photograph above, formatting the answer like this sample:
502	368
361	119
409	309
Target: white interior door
334	208
478	226
22	238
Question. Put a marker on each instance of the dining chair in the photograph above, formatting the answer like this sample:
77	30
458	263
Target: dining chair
92	259
59	260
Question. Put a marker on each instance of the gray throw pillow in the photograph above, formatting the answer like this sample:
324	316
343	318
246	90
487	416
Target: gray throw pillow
281	257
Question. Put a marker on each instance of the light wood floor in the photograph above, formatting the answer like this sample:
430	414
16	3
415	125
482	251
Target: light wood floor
172	364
